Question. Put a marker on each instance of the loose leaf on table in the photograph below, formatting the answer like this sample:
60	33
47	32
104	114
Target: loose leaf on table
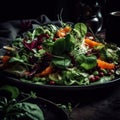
13	91
23	110
31	111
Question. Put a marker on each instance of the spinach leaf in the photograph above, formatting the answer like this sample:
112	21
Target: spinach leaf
14	59
81	29
63	45
61	62
59	47
87	62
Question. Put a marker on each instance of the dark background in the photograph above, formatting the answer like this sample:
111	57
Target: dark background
27	9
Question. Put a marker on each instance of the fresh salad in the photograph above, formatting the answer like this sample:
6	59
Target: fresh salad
66	54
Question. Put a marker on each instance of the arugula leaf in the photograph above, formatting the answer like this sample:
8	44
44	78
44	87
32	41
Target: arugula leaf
14	59
109	55
37	31
104	79
74	76
117	71
56	77
16	68
17	42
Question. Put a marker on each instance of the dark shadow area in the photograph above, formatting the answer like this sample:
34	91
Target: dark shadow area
27	9
72	11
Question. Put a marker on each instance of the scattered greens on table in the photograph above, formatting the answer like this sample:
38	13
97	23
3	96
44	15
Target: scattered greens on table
11	108
61	55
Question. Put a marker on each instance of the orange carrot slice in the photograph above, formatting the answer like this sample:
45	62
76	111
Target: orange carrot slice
63	31
60	33
92	43
67	29
45	72
105	65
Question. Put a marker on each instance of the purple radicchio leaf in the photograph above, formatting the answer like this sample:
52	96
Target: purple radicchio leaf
41	38
35	42
31	45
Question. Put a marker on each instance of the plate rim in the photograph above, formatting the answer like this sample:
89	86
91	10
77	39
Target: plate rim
65	87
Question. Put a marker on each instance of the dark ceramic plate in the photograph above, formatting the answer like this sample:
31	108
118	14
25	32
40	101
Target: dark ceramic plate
62	87
64	93
49	90
15	80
